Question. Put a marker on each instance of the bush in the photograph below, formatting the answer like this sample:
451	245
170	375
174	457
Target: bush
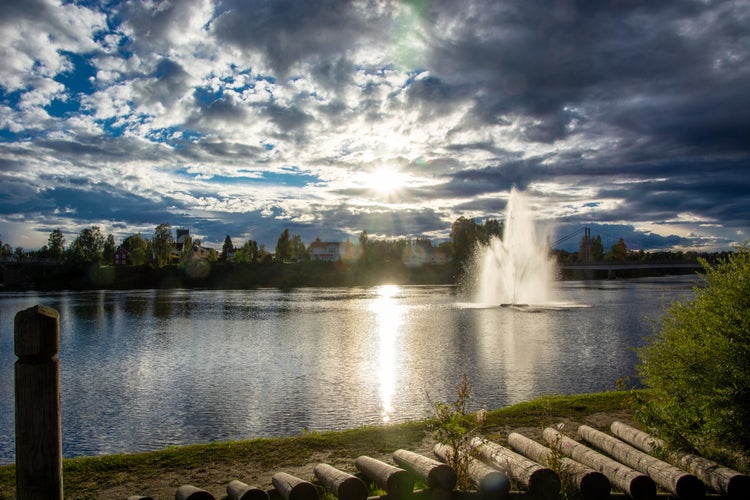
698	364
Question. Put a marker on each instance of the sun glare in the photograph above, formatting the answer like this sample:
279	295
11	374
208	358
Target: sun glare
386	180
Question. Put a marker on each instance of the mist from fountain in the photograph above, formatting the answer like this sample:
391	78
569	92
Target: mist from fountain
517	269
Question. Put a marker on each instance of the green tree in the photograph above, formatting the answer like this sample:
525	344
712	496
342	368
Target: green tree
619	251
465	234
298	249
247	253
491	227
284	247
88	246
187	249
138	249
163	244
56	244
109	249
227	248
698	363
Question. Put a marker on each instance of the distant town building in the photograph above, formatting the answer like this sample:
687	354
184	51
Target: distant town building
331	251
121	257
182	236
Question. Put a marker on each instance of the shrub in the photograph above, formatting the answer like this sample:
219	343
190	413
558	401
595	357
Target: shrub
698	363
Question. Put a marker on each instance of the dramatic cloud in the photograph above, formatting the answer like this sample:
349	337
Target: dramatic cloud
249	117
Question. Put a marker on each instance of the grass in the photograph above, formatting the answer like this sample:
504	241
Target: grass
213	465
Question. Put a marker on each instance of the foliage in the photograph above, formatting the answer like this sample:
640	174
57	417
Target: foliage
162	244
138	248
56	244
88	246
227	248
698	363
284	247
455	428
247	253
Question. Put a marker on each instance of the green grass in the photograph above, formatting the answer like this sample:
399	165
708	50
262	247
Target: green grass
219	462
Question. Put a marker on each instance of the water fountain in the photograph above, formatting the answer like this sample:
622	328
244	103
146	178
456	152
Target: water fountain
516	270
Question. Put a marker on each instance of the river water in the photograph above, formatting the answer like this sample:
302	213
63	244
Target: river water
142	370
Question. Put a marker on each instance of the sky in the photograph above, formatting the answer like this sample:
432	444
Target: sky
333	117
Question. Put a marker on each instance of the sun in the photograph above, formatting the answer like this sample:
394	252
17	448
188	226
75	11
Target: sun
386	180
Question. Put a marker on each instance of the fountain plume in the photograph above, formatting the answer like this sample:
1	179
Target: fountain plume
516	269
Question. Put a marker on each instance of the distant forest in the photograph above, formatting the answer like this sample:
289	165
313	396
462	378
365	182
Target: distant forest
165	260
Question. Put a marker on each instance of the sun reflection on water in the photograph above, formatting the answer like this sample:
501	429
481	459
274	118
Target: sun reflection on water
389	317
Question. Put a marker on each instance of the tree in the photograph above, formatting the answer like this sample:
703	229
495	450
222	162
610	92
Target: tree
698	363
227	249
137	248
162	244
284	247
247	253
492	227
464	234
619	251
109	248
88	246
297	249
187	249
56	244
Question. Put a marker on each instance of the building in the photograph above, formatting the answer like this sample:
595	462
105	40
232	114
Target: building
331	251
121	257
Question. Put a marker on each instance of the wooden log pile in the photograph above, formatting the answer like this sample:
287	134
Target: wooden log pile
620	461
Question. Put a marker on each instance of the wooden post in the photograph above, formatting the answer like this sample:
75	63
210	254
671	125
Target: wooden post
38	430
396	482
723	480
676	480
344	486
189	492
493	483
633	483
293	488
436	475
541	482
237	490
589	483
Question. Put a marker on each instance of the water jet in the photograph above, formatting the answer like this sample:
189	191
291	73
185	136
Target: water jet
518	269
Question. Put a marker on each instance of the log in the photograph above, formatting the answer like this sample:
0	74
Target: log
436	475
676	480
589	483
635	484
723	480
541	482
343	485
139	497
395	481
293	488
37	395
237	490
493	483
189	492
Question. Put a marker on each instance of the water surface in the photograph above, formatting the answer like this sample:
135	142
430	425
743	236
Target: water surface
142	370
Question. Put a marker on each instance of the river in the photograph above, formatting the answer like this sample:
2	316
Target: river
142	370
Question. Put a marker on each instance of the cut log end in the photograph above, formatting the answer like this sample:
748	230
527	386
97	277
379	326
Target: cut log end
595	486
738	487
690	487
544	483
643	488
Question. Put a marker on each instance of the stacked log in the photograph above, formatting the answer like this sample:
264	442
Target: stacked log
677	481
190	492
590	484
395	481
494	483
635	484
436	475
237	490
541	482
723	480
293	488
343	485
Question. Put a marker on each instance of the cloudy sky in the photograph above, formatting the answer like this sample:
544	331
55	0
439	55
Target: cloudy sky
329	117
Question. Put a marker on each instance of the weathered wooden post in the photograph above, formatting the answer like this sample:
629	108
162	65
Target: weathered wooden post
541	482
237	490
436	475
723	480
38	429
395	481
591	485
674	479
343	485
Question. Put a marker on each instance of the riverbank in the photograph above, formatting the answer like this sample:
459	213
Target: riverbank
212	466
